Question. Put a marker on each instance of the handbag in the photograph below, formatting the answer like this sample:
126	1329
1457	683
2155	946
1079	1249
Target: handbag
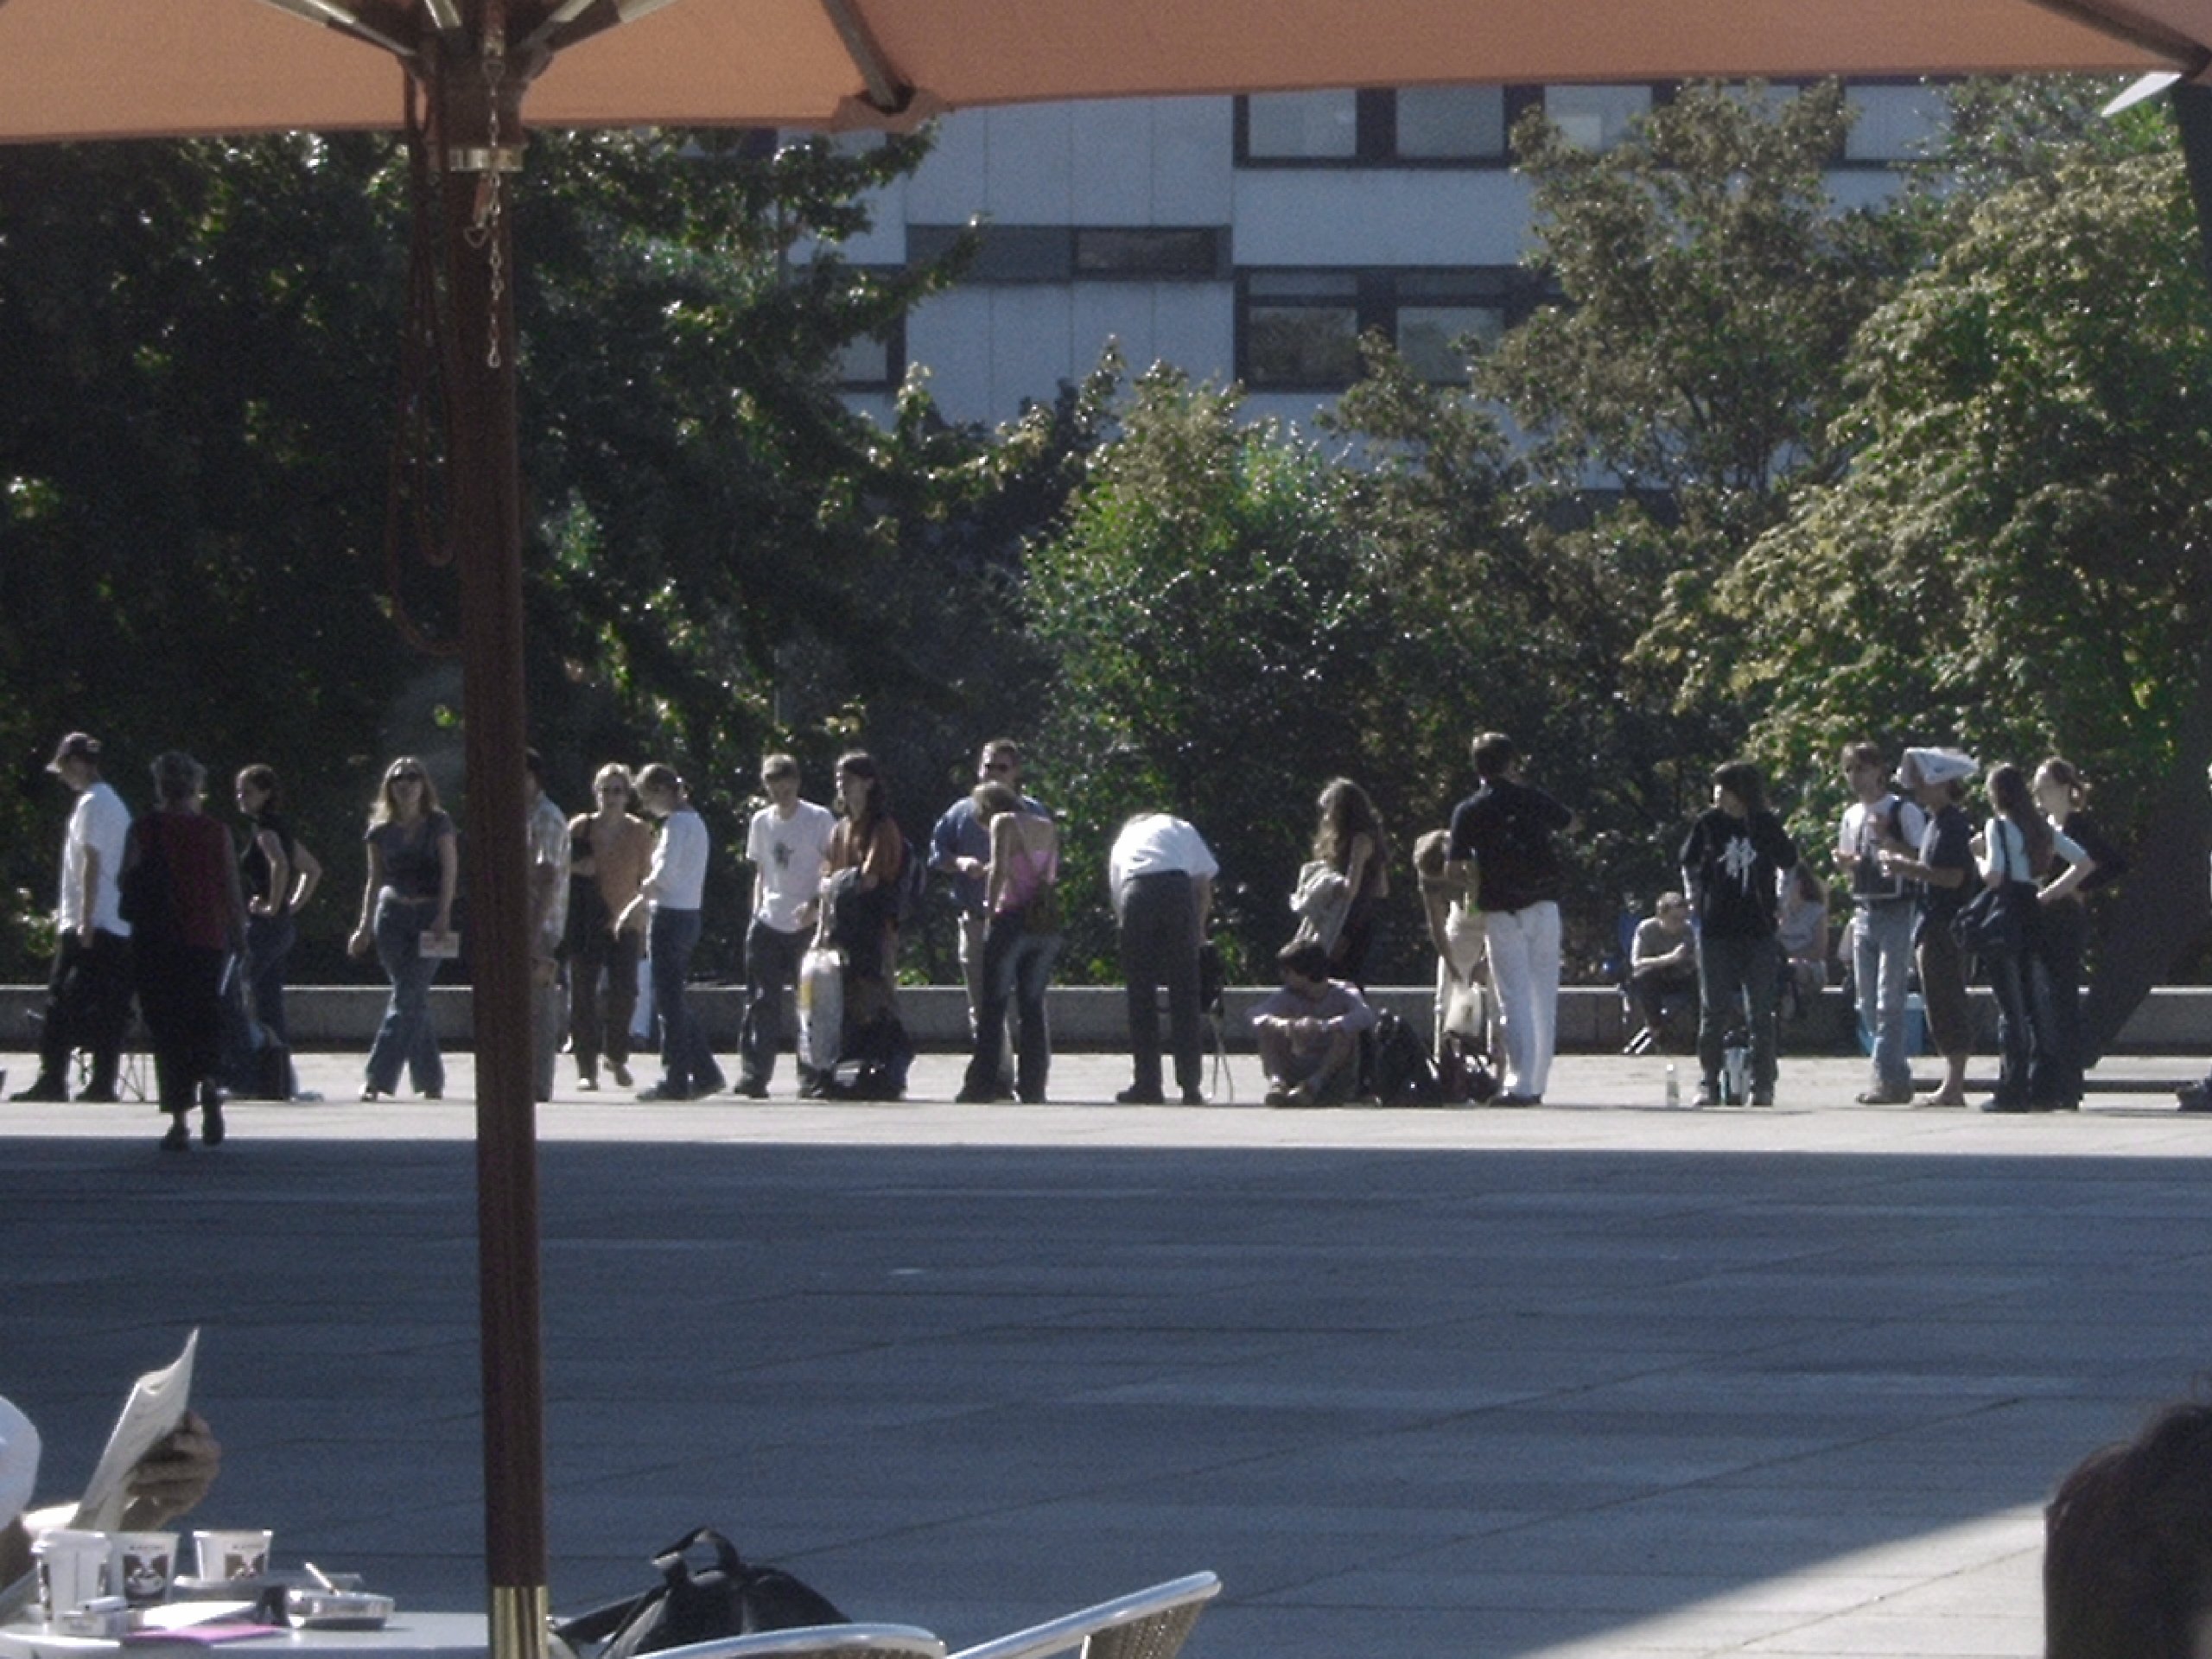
1994	922
821	1007
728	1598
1322	901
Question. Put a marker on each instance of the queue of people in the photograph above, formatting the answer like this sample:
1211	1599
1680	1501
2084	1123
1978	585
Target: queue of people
1912	860
608	891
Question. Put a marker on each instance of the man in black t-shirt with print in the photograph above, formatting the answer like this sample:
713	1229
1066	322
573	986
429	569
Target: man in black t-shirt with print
1731	861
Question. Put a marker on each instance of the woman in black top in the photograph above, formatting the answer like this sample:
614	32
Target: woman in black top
280	876
2060	791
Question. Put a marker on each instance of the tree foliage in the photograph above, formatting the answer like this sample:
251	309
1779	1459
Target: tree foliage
194	436
1210	611
1708	286
2019	555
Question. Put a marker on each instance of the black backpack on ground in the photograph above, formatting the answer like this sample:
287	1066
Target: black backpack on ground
1404	1074
1462	1071
728	1598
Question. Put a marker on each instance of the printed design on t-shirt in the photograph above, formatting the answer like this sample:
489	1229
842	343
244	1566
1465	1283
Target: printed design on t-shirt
1738	860
781	852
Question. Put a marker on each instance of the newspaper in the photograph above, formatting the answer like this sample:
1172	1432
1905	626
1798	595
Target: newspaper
156	1406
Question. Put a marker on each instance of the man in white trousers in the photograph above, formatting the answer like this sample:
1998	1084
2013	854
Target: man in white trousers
1510	831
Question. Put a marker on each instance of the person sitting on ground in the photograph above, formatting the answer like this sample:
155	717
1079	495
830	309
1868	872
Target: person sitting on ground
2127	1547
1309	1032
1662	974
168	1481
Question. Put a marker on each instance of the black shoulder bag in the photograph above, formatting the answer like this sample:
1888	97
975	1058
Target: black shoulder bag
1994	922
728	1598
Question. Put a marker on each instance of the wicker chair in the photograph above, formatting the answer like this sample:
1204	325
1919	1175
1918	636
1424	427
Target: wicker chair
817	1642
1144	1624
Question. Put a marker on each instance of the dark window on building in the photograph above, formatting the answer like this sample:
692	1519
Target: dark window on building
1472	126
1298	330
1061	253
1596	117
1004	253
1197	253
874	362
1410	126
1449	124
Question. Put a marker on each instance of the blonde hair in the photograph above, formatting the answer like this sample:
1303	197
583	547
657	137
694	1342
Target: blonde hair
387	808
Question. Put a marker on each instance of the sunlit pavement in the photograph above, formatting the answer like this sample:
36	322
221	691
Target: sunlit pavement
1597	1377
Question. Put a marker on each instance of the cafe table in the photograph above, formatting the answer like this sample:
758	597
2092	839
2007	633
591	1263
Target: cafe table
405	1636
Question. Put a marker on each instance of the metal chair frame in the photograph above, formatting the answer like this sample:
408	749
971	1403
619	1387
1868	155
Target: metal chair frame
1150	1623
817	1642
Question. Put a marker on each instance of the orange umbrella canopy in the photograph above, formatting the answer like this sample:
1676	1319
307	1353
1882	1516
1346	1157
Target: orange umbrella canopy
108	68
79	69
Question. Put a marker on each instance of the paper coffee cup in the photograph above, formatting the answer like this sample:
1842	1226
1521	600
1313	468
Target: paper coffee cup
72	1568
144	1564
227	1556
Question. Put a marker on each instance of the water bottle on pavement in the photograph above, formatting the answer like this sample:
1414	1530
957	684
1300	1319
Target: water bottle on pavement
1674	1086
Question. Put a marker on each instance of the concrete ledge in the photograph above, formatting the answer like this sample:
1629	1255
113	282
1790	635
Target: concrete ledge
2173	1019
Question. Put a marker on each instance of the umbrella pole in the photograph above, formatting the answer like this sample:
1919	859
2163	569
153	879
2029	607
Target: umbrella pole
485	500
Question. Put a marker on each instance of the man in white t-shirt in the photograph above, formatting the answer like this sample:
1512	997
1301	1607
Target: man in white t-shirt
88	997
1161	873
674	886
1881	821
788	846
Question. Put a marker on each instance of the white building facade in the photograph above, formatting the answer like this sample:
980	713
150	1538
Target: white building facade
1251	238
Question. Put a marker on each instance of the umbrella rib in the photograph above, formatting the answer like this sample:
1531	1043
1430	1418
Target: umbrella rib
2122	23
334	16
884	90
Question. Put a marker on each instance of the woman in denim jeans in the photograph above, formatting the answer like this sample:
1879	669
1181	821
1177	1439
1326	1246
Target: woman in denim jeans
414	863
1020	895
280	876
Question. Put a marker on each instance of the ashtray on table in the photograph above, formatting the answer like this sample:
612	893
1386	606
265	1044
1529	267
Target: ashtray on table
311	1607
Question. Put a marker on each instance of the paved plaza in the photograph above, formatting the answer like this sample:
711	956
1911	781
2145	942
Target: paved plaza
1596	1378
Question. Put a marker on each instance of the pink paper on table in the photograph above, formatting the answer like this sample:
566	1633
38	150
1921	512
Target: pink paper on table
205	1635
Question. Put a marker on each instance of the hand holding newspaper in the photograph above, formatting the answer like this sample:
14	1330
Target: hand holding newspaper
156	1406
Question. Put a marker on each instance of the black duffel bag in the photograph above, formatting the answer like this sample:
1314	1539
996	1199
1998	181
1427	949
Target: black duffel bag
728	1598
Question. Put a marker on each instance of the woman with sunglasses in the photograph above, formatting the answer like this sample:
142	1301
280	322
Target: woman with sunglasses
414	862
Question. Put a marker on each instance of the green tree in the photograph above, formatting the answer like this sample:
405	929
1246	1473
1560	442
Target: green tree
1214	622
1505	618
1707	287
2018	561
1678	392
194	444
192	433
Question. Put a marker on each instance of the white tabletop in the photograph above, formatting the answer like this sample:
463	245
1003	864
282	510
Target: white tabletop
406	1636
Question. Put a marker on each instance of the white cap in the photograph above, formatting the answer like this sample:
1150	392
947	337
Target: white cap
1937	765
18	1461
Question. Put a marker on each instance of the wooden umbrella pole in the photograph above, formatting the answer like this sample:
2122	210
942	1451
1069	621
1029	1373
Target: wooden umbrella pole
480	135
